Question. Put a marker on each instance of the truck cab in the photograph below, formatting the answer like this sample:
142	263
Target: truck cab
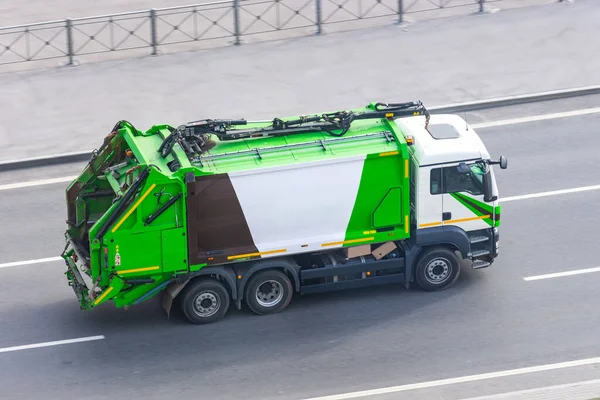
453	183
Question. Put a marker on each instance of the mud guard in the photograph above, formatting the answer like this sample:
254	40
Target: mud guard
179	284
170	293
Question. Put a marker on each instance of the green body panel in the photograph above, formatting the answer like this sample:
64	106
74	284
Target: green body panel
376	202
130	249
389	211
479	208
233	156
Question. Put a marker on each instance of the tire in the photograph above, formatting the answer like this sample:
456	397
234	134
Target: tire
268	292
204	301
437	269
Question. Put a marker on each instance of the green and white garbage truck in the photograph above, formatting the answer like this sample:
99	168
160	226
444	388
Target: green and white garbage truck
216	212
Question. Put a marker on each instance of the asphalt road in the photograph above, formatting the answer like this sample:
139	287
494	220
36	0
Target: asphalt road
490	320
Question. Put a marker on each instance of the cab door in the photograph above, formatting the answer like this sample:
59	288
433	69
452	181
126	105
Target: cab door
462	191
429	201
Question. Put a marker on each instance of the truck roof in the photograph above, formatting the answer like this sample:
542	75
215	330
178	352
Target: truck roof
363	138
227	145
447	138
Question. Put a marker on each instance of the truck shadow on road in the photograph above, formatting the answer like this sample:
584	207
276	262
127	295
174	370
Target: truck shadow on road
389	319
336	314
368	304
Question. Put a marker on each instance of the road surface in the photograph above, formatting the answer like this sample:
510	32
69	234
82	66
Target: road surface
491	320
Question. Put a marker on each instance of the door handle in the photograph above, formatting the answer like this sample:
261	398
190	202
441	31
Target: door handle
446	216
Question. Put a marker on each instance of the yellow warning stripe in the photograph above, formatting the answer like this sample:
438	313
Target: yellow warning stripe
99	299
348	241
406	224
137	203
406	168
388	153
132	271
260	253
454	221
429	224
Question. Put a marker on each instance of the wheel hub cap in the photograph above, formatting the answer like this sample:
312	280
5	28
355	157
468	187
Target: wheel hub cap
269	293
207	304
437	271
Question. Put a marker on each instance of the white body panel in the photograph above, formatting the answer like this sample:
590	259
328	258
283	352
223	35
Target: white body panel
308	204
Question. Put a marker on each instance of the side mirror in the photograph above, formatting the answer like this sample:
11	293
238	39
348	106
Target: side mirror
487	187
503	162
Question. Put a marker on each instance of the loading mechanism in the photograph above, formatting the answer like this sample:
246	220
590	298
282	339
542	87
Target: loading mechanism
194	137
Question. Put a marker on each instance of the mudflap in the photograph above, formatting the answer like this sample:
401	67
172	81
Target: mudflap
170	293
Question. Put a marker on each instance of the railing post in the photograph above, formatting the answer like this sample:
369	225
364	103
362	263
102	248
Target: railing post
236	20
481	5
70	54
153	39
400	11
319	16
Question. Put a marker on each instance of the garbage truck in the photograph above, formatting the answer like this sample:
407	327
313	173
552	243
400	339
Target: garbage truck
221	212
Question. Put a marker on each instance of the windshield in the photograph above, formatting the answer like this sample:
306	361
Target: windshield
478	171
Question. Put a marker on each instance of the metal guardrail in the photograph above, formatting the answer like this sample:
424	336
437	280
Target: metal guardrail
225	20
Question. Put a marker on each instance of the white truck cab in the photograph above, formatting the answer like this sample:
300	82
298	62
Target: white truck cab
453	183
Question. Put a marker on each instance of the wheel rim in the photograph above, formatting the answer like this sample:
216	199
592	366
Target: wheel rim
207	303
438	270
269	293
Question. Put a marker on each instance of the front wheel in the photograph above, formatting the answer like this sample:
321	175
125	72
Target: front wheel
269	292
437	269
205	301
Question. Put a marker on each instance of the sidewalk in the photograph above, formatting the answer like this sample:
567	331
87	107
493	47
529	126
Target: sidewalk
510	52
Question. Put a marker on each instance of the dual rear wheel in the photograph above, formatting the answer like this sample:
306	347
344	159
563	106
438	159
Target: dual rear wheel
204	301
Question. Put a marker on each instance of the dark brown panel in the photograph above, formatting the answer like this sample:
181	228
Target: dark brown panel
217	226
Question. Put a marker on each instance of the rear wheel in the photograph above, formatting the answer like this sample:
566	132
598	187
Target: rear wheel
438	268
204	301
268	292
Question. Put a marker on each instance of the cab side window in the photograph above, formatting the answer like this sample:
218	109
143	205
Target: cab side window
449	180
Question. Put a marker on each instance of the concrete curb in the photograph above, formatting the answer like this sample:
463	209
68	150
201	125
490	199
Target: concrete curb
67	158
516	100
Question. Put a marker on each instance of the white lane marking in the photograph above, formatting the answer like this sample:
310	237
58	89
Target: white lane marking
561	274
462	379
572	391
55	343
40	182
551	193
535	118
29	262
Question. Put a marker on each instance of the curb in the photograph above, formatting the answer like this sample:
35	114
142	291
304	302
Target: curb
44	161
67	158
516	100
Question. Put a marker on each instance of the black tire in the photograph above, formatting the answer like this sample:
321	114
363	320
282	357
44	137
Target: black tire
437	269
268	292
215	301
